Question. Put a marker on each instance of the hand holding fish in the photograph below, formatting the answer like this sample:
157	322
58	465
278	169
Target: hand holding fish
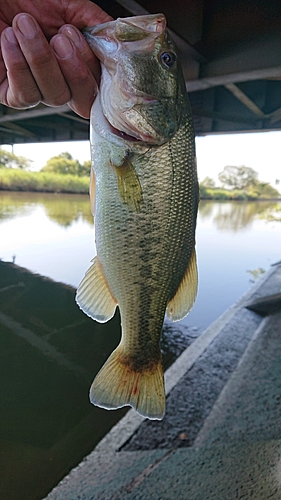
44	56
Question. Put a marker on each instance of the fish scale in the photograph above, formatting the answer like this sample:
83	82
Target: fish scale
145	196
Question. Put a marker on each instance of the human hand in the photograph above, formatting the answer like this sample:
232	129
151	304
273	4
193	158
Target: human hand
63	70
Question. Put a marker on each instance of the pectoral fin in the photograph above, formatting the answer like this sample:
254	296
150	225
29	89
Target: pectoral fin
128	184
93	295
184	298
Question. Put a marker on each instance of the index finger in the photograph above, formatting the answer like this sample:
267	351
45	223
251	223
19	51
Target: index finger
41	60
18	88
83	47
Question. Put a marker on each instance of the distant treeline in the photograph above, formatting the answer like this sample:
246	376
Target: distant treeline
61	174
12	179
64	174
238	183
236	194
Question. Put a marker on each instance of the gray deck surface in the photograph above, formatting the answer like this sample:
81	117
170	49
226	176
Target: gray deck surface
221	436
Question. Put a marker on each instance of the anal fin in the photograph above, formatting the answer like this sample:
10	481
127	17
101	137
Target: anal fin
184	298
93	295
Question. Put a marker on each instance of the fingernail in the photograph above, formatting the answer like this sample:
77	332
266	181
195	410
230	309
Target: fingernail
63	47
26	25
10	36
71	33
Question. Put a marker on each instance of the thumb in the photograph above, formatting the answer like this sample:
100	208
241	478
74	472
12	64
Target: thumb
87	14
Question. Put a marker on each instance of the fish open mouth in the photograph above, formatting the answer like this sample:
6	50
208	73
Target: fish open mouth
121	134
127	137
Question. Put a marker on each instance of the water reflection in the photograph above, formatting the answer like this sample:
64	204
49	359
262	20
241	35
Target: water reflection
272	214
53	234
233	216
64	209
255	274
11	206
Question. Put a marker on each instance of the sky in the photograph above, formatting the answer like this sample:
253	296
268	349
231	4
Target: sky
260	151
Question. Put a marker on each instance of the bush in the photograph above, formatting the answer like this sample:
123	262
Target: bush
267	192
220	194
18	180
65	164
263	190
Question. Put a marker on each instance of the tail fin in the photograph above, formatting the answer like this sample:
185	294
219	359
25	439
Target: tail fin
117	385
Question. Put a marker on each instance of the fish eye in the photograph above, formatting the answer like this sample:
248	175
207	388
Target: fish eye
168	59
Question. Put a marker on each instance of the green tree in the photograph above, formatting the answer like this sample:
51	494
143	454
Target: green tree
208	182
85	169
22	162
64	163
264	190
238	177
10	160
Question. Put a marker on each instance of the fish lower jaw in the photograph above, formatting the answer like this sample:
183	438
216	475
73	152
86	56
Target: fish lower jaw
123	135
127	132
139	137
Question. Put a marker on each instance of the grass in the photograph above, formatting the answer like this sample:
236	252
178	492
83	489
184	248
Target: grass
222	194
20	180
12	179
237	194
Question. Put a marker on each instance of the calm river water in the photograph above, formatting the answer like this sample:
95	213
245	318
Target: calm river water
50	351
53	235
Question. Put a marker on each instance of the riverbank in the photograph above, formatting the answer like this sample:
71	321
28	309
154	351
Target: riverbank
12	179
263	192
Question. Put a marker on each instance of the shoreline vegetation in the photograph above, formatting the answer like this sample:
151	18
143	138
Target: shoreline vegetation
15	179
64	174
235	195
12	179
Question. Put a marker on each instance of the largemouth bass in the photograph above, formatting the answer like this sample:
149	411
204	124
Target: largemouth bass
144	196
